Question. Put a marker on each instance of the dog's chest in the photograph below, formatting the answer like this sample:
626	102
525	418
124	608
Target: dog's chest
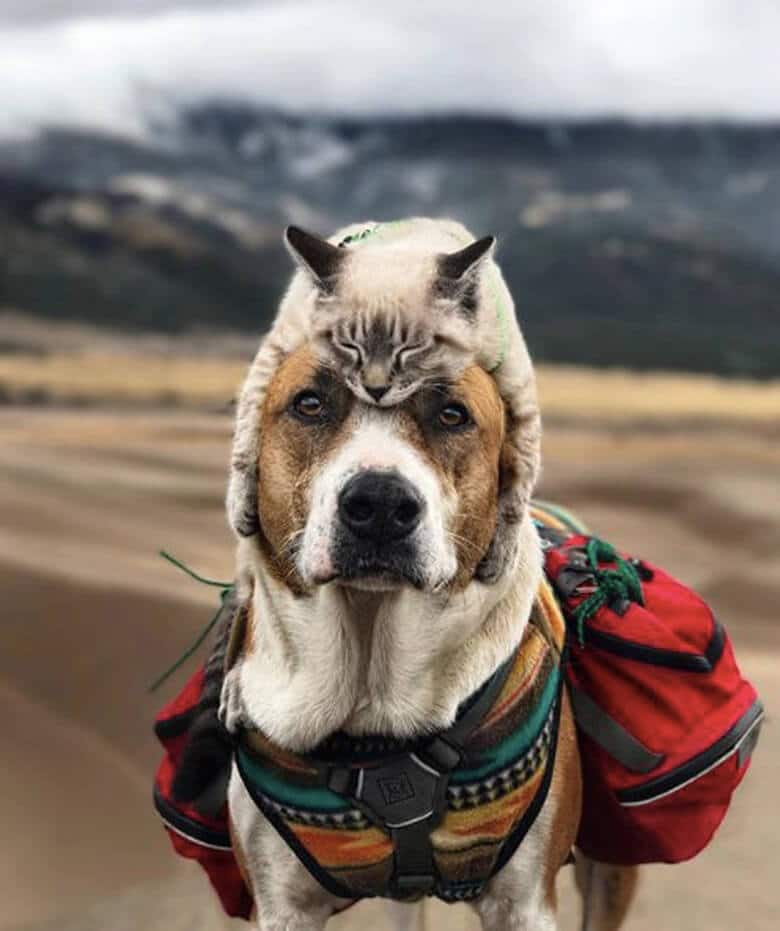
355	811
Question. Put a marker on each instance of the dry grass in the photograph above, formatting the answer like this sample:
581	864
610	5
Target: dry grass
102	377
614	396
194	380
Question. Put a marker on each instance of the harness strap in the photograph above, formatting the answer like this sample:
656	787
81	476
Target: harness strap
414	869
442	749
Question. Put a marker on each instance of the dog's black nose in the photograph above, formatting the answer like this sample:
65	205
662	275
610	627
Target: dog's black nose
380	506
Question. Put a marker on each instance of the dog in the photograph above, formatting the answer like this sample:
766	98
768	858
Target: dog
363	619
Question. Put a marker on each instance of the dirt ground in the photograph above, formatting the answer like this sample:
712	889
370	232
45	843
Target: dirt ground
91	615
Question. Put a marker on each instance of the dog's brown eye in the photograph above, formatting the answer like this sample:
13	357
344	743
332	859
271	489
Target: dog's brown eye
308	404
453	415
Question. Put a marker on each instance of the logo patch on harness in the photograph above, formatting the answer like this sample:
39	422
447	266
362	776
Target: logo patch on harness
396	789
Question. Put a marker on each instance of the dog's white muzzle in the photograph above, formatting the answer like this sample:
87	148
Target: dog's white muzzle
378	514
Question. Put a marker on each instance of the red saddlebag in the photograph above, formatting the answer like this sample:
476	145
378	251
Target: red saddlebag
195	835
666	722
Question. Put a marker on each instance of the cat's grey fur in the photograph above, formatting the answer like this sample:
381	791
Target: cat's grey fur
392	307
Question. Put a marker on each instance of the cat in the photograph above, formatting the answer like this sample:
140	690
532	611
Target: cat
390	307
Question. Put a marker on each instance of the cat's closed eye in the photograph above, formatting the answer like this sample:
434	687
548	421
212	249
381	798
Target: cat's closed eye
405	354
351	350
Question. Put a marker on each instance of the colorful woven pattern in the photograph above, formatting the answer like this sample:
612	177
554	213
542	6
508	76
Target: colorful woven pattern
487	795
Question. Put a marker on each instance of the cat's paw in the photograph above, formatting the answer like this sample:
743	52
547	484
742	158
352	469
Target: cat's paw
231	707
501	552
242	502
503	548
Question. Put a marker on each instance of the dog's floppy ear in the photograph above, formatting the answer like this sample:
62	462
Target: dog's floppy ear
320	258
241	500
454	266
242	487
518	473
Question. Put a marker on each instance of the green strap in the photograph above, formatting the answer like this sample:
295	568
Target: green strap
227	588
372	231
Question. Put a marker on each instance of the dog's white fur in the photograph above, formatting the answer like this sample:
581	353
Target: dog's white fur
342	658
375	445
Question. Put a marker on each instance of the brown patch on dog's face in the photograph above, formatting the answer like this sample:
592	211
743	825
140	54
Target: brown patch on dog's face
315	435
467	458
292	445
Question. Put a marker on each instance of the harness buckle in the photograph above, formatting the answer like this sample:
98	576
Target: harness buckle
403	791
339	780
411	886
442	754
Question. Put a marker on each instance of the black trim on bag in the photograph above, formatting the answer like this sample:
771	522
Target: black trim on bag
176	725
189	828
698	765
673	659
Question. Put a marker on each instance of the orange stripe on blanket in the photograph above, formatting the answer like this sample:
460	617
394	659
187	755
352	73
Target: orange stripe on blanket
548	519
339	848
491	822
525	669
551	610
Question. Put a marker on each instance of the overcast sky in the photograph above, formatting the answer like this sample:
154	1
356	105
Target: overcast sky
38	11
109	63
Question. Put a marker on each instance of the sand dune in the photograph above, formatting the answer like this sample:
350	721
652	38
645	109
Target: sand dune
92	615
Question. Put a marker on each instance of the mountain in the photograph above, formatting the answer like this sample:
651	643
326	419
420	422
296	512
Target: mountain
647	246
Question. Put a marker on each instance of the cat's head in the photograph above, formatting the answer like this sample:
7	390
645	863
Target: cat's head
390	320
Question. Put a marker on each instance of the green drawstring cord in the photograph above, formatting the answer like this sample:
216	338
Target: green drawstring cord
621	583
193	575
227	588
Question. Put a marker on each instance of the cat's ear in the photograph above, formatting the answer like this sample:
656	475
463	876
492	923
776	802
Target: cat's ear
320	258
455	266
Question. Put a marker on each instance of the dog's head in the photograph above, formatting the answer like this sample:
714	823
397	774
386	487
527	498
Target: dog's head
350	493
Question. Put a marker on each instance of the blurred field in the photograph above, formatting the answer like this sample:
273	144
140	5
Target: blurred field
107	379
83	365
681	471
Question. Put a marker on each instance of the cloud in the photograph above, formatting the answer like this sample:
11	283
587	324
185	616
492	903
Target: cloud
646	59
15	12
